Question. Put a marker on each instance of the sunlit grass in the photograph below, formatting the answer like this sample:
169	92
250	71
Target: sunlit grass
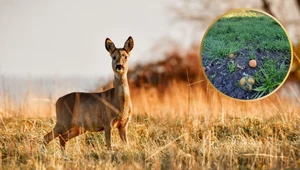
183	127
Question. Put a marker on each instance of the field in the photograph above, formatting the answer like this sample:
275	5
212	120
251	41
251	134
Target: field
233	41
183	127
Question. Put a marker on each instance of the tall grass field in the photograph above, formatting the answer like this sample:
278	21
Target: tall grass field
183	127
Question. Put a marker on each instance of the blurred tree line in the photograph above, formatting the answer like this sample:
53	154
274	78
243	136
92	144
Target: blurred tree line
185	66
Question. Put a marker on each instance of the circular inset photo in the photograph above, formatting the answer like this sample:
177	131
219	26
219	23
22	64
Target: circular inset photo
246	54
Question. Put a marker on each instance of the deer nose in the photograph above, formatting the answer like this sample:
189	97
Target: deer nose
119	67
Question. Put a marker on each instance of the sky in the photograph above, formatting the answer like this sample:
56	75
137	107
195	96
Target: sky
66	38
61	38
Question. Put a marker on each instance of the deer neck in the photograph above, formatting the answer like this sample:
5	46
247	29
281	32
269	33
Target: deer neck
122	93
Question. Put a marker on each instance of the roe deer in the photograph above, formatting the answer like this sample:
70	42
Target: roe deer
79	112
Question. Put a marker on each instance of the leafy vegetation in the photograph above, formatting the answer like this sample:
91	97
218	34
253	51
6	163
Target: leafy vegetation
231	66
270	76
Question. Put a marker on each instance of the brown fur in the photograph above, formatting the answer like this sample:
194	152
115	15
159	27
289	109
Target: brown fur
80	112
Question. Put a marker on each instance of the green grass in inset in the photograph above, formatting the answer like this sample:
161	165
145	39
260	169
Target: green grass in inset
231	66
269	76
229	35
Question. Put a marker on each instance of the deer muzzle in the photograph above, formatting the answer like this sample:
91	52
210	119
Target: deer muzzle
119	67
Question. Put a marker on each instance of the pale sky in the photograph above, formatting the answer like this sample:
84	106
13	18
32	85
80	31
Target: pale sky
66	37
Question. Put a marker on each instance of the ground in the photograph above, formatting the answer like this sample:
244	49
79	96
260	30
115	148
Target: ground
228	82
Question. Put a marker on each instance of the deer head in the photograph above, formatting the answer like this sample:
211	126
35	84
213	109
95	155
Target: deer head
119	55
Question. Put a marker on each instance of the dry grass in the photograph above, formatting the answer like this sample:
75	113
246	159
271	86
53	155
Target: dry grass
184	127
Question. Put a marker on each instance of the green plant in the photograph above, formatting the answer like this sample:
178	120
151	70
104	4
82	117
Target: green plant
270	76
231	66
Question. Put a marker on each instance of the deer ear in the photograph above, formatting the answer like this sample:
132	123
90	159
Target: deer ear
110	46
128	46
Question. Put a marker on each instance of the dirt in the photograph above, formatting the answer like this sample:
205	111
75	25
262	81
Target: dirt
228	83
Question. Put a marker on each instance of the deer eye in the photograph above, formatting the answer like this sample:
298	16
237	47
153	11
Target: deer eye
114	57
125	57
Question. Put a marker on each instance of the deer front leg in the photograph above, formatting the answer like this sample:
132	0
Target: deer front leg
123	133
107	132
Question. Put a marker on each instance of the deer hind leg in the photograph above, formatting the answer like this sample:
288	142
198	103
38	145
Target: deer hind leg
107	132
53	134
64	138
49	137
